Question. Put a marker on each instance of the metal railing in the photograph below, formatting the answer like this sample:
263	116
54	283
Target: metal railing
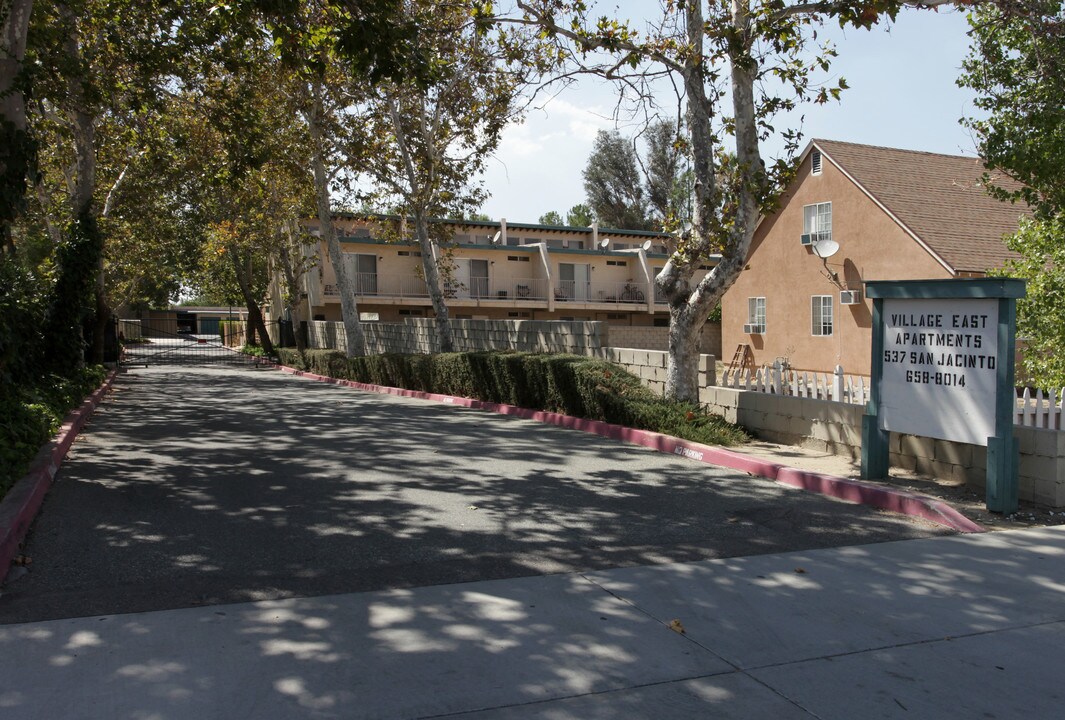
591	292
412	286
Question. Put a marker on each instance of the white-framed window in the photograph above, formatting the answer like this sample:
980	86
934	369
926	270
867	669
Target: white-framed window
821	314
817	221
756	314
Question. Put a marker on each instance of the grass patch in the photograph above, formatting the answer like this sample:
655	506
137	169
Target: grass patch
30	416
568	384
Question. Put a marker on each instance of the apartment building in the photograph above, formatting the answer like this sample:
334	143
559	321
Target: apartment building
499	271
855	213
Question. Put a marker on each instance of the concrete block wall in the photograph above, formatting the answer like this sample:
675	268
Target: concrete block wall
650	365
419	335
657	338
837	428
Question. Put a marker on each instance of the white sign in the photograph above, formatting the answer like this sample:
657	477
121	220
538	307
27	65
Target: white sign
940	368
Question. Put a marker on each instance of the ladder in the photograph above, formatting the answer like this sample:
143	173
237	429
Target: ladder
743	358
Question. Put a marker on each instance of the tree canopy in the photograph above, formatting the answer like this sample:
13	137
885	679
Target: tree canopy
735	68
612	183
1016	65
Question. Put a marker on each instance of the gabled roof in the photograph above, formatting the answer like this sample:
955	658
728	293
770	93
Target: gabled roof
937	199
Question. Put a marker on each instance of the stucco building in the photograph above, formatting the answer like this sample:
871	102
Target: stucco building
874	214
499	271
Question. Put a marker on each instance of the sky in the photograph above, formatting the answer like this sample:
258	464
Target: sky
903	94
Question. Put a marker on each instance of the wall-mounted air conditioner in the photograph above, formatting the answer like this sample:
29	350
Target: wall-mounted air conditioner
752	329
850	297
808	238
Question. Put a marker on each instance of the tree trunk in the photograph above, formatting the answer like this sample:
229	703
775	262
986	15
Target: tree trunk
292	284
256	324
15	143
682	366
349	309
416	200
86	256
102	316
690	307
685	323
445	338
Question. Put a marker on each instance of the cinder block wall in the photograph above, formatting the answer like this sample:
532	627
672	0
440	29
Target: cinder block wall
837	428
419	335
657	338
650	365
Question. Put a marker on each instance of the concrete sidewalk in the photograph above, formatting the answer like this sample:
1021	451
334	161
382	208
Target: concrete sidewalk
950	627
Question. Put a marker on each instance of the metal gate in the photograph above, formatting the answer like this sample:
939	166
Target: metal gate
187	348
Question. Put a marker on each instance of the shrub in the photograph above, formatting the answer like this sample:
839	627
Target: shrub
567	384
29	415
253	350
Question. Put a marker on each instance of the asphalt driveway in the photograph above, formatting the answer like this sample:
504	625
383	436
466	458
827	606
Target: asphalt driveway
198	486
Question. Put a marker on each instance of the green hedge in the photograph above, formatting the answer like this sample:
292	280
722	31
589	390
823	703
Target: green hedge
567	384
30	415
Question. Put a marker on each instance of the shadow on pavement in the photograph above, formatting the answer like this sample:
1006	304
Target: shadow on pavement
197	486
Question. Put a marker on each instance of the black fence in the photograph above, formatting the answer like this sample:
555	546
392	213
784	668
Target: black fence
185	347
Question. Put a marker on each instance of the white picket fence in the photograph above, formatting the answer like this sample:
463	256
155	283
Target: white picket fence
819	386
1039	409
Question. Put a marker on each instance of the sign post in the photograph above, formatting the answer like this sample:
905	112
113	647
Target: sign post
943	367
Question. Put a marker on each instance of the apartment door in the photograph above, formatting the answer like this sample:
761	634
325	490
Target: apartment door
364	273
470	279
478	283
458	286
573	281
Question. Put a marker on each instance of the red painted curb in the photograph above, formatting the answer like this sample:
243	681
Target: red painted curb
900	501
19	507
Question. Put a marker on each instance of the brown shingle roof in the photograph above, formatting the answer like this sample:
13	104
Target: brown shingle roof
938	197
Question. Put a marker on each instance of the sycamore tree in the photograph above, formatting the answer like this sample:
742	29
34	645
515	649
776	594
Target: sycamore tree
1016	65
426	140
333	54
736	65
16	145
242	159
99	65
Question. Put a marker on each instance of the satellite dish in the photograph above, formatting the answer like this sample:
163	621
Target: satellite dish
825	248
496	237
604	243
646	245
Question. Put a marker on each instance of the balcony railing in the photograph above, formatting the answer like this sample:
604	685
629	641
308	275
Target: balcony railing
622	292
528	289
412	286
376	285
